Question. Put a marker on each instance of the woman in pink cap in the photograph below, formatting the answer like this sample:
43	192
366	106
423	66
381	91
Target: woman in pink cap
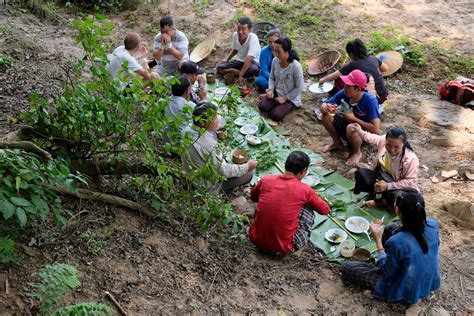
351	105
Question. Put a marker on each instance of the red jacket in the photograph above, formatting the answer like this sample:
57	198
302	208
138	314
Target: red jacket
280	199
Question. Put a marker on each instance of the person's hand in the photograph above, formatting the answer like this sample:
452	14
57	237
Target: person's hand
223	61
381	186
377	230
355	127
350	117
270	94
201	79
241	81
165	39
328	108
321	81
281	100
142	51
252	164
202	91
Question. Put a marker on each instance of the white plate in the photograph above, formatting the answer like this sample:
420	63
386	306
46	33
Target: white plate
221	91
357	224
221	122
333	232
249	129
317	88
253	140
311	180
241	121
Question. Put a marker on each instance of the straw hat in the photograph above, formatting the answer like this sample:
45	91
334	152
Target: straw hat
323	62
393	59
262	29
203	50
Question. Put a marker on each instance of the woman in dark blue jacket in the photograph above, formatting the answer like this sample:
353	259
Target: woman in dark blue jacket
408	266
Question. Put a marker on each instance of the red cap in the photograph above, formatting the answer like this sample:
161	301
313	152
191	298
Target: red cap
356	79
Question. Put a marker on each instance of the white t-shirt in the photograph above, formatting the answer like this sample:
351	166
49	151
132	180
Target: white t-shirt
117	59
180	42
251	47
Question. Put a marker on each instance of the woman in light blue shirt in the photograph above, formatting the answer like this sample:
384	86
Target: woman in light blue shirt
408	266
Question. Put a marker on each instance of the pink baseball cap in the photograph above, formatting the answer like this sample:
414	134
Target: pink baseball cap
356	78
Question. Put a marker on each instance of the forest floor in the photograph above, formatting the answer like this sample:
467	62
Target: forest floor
156	267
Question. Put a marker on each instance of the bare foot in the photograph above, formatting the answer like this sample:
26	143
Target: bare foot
370	203
354	159
332	147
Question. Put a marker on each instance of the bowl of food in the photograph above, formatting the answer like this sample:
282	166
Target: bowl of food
249	129
253	140
222	134
239	156
361	254
357	224
335	235
347	248
241	121
220	122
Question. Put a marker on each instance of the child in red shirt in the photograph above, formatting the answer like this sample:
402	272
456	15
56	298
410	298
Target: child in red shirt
285	205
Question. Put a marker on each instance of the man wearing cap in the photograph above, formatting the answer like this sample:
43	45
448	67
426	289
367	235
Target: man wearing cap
356	106
194	73
204	149
170	47
246	49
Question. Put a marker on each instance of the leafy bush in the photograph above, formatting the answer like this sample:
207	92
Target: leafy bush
57	280
7	250
4	61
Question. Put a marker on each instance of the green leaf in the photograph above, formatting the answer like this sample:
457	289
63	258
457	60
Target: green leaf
21	215
7	208
19	201
39	203
71	185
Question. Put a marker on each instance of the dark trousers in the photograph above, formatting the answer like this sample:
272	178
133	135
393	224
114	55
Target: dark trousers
364	273
252	71
231	183
275	110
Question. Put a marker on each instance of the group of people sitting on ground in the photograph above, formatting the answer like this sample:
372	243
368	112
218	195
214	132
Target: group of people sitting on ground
407	252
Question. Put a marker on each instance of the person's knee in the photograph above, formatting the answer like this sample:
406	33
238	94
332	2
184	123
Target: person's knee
263	105
261	83
277	115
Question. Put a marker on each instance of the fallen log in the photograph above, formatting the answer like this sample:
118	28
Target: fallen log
27	146
102	197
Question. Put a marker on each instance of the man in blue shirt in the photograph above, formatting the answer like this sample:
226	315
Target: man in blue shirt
355	105
266	57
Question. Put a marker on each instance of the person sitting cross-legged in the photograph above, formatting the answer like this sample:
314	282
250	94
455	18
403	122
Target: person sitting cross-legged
245	49
203	149
285	208
364	112
407	255
286	82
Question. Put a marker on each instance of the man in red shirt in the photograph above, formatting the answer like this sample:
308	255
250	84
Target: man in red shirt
285	205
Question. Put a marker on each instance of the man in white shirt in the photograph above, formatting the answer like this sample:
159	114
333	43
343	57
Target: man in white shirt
124	55
246	49
170	47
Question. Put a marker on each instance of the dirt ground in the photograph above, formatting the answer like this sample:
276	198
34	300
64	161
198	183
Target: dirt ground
154	268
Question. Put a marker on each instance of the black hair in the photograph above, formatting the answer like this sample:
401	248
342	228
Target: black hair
411	206
296	162
357	48
204	113
272	33
131	41
181	85
285	43
245	20
166	21
397	132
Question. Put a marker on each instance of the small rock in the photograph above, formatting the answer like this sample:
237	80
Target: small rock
469	175
414	310
367	293
438	311
463	210
441	142
435	179
239	204
425	167
202	245
449	174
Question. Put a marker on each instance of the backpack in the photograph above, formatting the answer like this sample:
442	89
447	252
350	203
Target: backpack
460	92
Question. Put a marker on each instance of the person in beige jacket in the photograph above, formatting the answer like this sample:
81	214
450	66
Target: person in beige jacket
204	149
395	166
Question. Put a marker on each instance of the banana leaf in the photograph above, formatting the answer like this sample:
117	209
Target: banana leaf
339	179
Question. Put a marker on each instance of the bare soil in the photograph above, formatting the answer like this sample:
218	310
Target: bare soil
156	267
